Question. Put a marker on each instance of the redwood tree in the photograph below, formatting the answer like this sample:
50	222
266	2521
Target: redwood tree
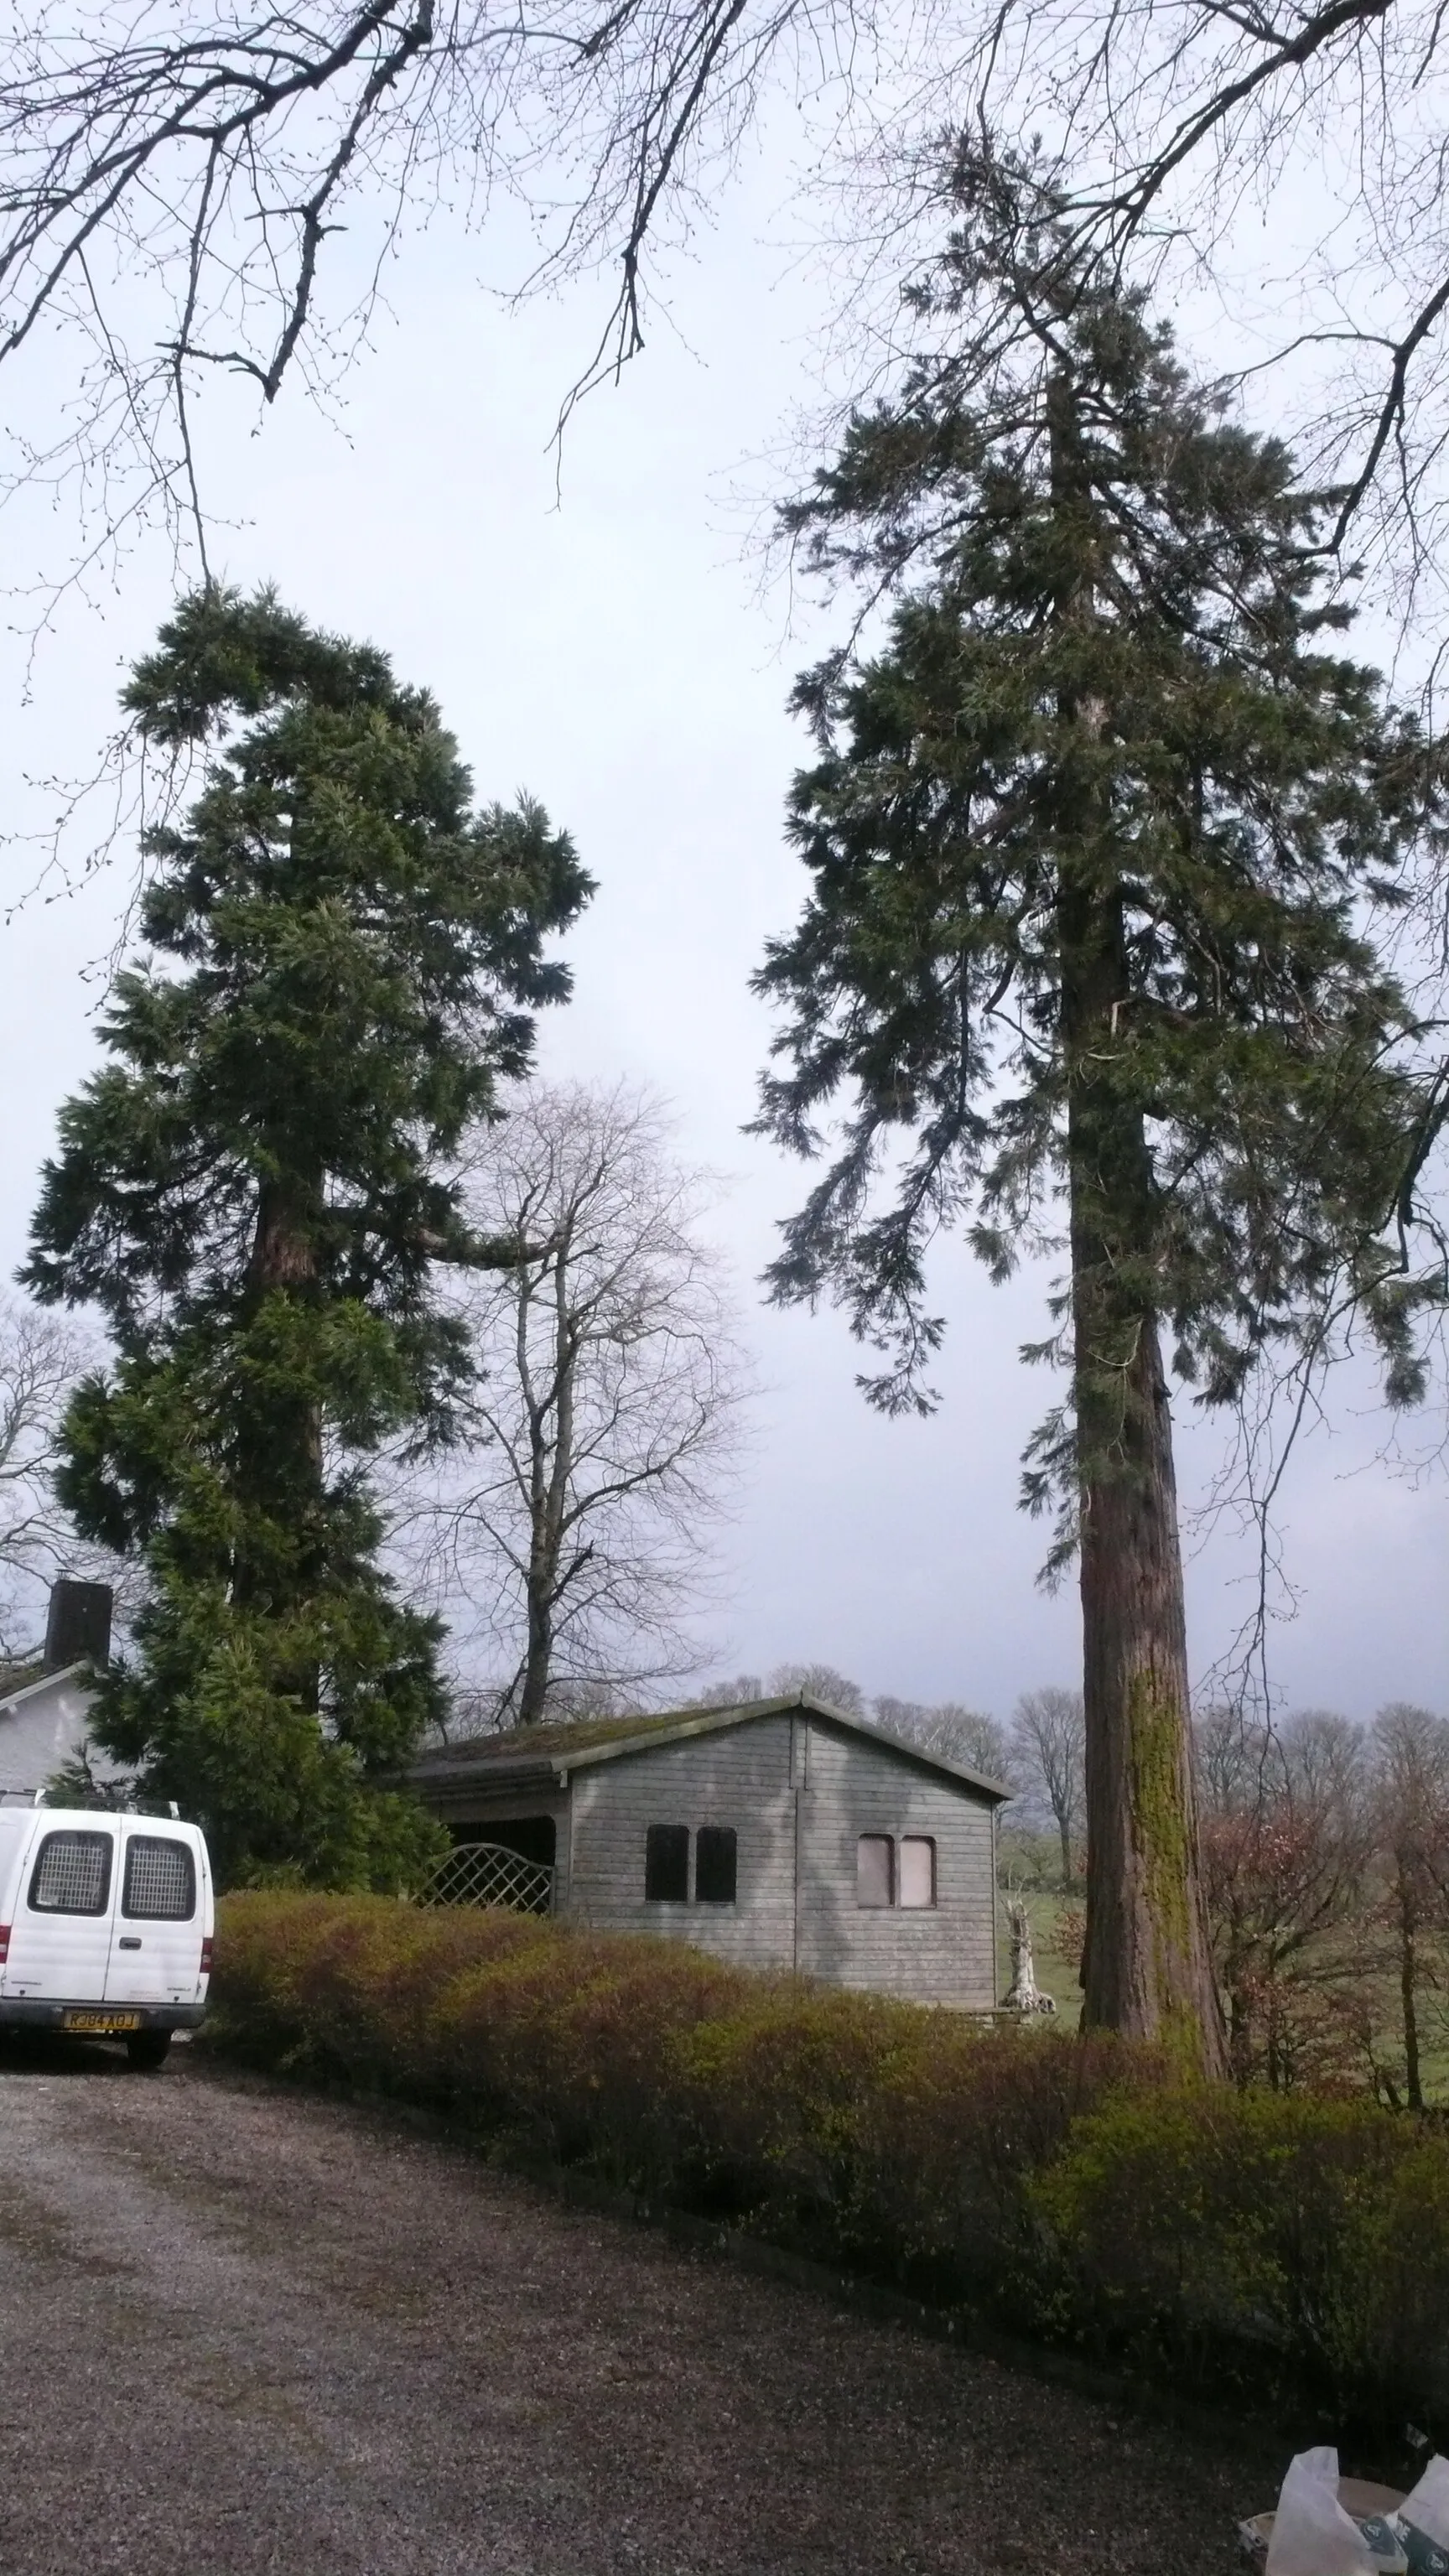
1090	838
340	958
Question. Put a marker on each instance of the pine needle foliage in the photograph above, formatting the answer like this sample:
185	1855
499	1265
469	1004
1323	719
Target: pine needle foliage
341	958
1115	664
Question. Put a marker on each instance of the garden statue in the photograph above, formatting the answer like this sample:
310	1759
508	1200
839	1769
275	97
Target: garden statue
1024	1995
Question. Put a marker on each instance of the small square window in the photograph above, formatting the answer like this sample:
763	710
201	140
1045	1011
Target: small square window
874	1870
715	1865
918	1870
666	1865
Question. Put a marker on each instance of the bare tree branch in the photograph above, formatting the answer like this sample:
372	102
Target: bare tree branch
169	185
568	1540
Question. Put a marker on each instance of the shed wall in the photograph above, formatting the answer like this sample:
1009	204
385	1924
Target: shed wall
944	1954
754	1777
739	1777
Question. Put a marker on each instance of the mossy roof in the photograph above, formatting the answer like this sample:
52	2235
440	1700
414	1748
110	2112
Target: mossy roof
561	1748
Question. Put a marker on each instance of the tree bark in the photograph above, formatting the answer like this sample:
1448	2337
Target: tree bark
280	1450
533	1697
1147	1968
284	1250
1409	1994
552	1463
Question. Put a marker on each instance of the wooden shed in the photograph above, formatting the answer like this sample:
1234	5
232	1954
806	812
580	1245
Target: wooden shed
782	1833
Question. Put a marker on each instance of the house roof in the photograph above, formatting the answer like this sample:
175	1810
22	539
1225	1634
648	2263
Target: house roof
537	1753
29	1682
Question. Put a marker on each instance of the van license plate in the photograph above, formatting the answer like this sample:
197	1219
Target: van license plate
101	2024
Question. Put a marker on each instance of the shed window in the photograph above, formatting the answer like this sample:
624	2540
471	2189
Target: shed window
874	1870
715	1860
666	1865
72	1874
918	1870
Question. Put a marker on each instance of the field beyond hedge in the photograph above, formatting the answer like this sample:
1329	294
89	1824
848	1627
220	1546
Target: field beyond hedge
1268	2248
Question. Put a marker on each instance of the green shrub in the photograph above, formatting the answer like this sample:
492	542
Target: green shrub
1066	2186
1311	2228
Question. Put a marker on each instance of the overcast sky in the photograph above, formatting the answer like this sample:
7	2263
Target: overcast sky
612	649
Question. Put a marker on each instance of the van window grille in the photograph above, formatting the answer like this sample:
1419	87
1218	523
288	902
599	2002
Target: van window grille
72	1874
160	1882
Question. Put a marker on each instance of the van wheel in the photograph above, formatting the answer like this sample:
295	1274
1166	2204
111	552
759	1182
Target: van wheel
148	2048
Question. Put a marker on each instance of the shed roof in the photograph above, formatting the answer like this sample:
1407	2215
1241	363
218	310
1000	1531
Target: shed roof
549	1753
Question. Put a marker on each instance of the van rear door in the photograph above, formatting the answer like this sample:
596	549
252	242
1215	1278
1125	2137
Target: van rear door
155	1943
60	1937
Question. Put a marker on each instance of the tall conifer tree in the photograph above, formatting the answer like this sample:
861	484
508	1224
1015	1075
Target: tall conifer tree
342	958
1092	839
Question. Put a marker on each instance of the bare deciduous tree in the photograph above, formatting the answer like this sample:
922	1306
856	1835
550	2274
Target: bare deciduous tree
39	1362
606	1411
822	1681
735	1692
948	1727
1048	1752
175	180
1409	1770
1286	1845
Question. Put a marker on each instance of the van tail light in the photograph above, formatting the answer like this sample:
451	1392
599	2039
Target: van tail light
205	1954
4	1943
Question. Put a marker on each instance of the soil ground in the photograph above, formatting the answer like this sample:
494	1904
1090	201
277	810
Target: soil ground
243	2329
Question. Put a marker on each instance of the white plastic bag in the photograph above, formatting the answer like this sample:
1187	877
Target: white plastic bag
1312	2535
1427	2505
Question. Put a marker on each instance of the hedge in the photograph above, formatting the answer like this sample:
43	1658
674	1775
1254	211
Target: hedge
1279	2248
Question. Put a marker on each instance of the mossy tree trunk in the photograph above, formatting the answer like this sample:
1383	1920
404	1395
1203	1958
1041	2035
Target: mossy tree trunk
1147	1967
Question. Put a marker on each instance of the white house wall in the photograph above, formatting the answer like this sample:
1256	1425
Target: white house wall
43	1730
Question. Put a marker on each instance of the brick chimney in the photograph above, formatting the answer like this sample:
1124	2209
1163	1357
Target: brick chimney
78	1625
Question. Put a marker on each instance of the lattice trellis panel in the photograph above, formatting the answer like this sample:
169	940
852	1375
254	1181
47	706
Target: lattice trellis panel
490	1874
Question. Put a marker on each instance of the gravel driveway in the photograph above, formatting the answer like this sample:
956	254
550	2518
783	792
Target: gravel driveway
241	2329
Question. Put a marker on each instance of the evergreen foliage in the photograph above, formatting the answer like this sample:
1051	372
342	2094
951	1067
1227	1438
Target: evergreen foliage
341	960
1093	841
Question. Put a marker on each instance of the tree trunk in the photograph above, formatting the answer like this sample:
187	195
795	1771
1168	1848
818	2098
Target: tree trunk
1147	1968
279	1453
1239	2034
284	1249
533	1697
1064	1828
551	1432
1409	1997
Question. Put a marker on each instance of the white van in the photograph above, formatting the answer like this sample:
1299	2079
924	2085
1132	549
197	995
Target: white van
105	1926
